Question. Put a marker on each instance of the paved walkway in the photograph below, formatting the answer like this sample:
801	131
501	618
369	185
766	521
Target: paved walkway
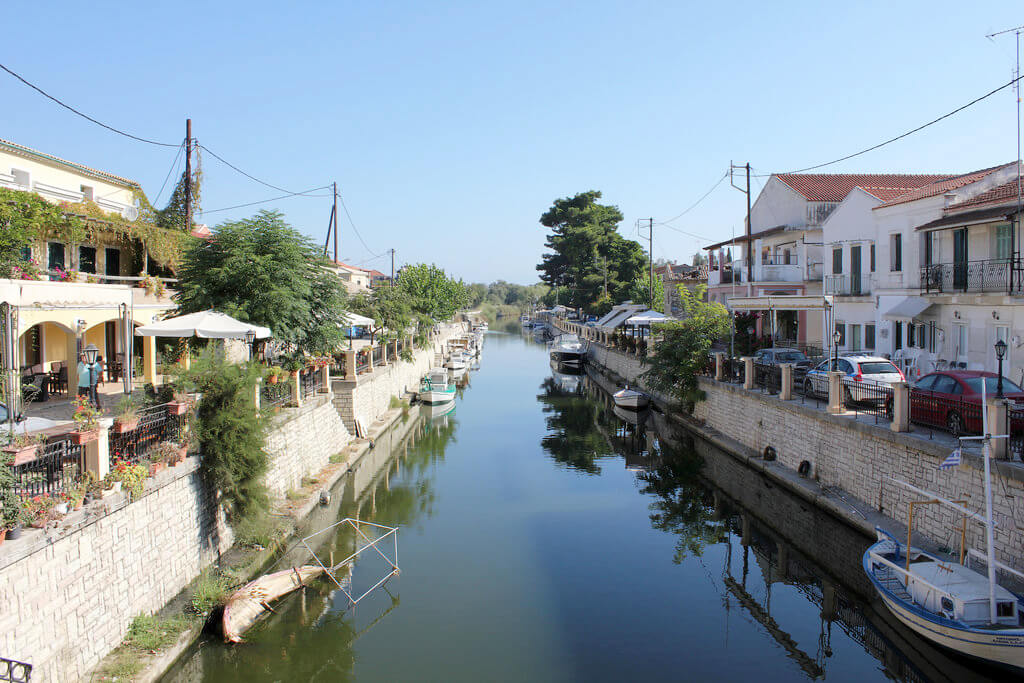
60	408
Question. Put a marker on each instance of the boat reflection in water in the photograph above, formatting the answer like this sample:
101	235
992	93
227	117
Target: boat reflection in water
779	552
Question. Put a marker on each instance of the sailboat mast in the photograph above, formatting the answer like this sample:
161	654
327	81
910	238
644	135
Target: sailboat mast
989	534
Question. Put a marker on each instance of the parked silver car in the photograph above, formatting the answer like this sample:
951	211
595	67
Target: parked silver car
864	375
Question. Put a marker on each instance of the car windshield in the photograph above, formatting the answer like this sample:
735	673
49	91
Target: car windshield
991	385
3	413
878	368
790	355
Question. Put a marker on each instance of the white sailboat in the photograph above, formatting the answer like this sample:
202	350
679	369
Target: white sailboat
947	602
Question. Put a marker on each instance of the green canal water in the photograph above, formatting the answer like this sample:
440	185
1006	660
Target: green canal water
545	538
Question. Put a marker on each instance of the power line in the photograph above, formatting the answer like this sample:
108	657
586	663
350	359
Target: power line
915	130
170	172
84	116
696	203
247	175
356	230
304	193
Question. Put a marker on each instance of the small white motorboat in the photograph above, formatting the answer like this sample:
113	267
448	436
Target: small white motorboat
568	349
631	399
435	387
456	361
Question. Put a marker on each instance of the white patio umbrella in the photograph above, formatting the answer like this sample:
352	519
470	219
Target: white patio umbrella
205	325
356	320
647	318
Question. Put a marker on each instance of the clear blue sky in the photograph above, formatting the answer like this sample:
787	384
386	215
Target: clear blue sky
450	127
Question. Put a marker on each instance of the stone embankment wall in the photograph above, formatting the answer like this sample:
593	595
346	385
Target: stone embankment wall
70	593
368	397
302	441
859	459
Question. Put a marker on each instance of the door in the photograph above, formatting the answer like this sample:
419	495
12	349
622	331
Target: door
113	263
55	257
855	271
960	259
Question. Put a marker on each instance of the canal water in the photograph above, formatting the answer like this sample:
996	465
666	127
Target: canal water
547	536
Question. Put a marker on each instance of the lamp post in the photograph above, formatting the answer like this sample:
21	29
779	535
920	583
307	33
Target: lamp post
1000	354
250	338
836	338
91	353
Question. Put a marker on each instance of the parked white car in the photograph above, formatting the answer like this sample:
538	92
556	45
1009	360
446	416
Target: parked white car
864	376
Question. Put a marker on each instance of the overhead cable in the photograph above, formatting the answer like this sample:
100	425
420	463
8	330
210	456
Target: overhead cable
304	193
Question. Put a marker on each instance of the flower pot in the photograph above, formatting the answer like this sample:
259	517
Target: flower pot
39	523
79	504
156	467
175	408
182	454
121	427
22	454
61	508
272	379
80	438
3	535
14	532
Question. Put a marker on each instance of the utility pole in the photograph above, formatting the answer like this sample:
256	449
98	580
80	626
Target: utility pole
749	259
188	175
334	217
392	267
650	259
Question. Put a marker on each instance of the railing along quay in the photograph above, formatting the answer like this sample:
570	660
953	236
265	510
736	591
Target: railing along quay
156	424
55	469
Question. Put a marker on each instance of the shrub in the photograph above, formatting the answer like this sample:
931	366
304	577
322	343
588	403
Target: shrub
209	590
148	633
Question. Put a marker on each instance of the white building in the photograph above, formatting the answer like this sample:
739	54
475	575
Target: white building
355	279
924	275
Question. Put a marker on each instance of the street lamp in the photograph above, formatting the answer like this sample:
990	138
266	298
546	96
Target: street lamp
91	353
1000	354
250	339
836	338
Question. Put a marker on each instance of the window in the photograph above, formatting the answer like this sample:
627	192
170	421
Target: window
947	605
837	261
925	383
26	253
23	178
960	340
1004	609
841	329
55	256
944	384
86	191
1001	248
929	248
897	336
87	259
896	253
911	336
991	385
855	337
871	251
878	368
845	366
869	336
787	256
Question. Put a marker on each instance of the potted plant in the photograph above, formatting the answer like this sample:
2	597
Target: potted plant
179	406
38	510
132	477
61	504
274	374
10	503
127	415
169	452
24	447
87	421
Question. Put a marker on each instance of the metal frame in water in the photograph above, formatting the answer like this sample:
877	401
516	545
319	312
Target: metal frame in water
354	523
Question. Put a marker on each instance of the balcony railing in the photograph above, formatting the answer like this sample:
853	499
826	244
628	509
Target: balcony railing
781	273
847	285
995	275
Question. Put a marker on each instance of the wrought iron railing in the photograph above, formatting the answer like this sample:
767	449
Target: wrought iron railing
156	425
13	671
847	285
869	398
1015	427
311	382
993	275
952	414
55	469
362	362
378	355
768	377
275	395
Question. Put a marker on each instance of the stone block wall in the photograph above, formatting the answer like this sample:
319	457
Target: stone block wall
862	458
302	441
69	594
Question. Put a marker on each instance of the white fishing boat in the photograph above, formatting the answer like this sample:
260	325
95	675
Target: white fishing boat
437	411
435	387
631	399
524	319
457	360
568	349
947	602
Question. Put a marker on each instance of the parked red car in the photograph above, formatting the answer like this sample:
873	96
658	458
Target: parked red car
951	399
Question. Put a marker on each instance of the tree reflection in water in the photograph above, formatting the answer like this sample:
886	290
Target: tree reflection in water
573	439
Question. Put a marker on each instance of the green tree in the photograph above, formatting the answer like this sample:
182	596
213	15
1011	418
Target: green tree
640	292
589	261
260	270
685	345
431	292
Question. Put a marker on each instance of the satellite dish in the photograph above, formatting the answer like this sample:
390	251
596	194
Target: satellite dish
131	213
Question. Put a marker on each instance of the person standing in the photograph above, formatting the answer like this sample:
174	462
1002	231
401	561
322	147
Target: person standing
84	377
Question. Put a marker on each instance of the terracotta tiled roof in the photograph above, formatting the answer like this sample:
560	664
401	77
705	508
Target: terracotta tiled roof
345	265
943	186
887	193
833	187
22	150
1000	194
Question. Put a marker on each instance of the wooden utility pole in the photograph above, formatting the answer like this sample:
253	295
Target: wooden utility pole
334	217
750	264
650	259
392	267
188	175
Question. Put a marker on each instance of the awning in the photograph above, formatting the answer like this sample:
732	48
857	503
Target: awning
206	325
648	318
781	302
356	320
907	309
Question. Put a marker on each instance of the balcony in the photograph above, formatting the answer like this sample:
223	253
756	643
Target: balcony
847	285
995	275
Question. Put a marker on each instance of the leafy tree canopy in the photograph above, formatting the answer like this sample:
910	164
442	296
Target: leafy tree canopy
640	292
431	292
260	270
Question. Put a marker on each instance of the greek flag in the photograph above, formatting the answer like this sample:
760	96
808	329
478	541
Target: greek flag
952	460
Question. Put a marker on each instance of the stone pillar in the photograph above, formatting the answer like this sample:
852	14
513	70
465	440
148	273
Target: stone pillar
184	357
296	388
748	372
835	392
651	346
393	351
719	366
327	379
149	359
900	407
256	392
350	364
97	452
997	425
786	394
